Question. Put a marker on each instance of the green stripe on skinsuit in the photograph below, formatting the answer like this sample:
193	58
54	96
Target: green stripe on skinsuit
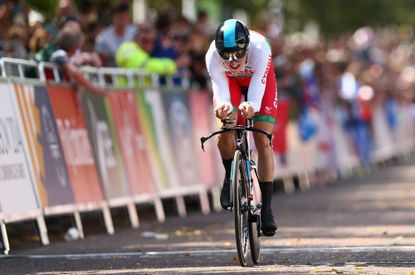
264	118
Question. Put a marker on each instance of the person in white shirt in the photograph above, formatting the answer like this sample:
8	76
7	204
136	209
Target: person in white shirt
121	30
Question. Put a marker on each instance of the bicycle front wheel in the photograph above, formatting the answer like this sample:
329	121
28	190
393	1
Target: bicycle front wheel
254	242
240	207
255	221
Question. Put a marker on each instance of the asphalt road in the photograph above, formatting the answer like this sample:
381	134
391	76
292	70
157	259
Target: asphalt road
361	225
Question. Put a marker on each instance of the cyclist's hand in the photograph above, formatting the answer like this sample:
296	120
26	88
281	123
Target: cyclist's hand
247	110
223	110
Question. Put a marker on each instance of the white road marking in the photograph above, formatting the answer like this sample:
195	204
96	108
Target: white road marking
204	252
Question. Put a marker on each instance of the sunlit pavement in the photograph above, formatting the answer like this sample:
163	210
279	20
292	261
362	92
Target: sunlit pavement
357	226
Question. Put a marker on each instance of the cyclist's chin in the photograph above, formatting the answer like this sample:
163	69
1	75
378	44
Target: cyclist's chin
236	69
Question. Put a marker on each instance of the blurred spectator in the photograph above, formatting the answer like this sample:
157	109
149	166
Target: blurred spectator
109	40
39	35
178	37
94	18
137	53
16	38
205	25
164	21
64	9
200	38
290	90
88	12
199	75
80	58
6	17
13	34
66	44
12	13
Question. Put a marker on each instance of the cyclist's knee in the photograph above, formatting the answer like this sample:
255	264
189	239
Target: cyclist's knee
226	139
261	142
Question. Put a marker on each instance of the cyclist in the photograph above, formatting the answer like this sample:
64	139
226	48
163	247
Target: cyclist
238	62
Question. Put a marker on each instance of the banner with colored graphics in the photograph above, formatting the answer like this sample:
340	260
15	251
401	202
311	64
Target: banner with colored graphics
76	145
155	125
201	111
17	193
105	144
133	144
179	121
44	148
145	117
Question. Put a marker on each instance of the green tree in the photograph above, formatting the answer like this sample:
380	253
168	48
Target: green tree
335	16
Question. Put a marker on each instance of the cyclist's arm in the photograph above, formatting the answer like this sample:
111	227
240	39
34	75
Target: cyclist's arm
262	65
221	93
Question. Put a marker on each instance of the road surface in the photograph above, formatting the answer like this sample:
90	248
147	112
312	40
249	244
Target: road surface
362	225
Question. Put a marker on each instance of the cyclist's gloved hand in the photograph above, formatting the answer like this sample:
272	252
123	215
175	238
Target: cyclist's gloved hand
247	110
223	110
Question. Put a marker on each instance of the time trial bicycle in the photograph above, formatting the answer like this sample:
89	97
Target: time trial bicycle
245	191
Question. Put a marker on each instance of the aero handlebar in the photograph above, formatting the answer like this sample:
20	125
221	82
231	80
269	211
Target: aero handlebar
236	128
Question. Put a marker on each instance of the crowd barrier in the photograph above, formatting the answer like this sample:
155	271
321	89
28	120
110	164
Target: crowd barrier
65	154
334	153
139	144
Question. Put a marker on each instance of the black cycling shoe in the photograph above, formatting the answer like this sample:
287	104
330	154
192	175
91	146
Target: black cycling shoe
268	225
225	195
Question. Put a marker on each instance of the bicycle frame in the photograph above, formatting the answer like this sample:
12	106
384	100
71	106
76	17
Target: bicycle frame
243	145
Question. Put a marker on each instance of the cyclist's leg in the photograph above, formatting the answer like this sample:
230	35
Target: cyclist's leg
226	144
266	176
265	120
265	152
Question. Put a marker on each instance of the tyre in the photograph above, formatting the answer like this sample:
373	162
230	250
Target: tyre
254	241
240	207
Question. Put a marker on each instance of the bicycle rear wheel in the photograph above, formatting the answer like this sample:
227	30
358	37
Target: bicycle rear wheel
240	207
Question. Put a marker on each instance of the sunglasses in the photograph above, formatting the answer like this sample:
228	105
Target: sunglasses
233	56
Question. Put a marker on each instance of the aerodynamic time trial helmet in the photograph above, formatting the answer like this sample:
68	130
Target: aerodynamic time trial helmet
232	40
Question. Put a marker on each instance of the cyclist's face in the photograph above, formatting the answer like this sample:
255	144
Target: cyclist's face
235	66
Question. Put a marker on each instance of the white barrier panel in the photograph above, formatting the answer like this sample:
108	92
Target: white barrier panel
17	194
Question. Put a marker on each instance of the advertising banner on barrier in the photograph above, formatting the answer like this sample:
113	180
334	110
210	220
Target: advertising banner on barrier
44	147
179	123
17	193
105	145
76	145
146	121
202	115
153	117
139	168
